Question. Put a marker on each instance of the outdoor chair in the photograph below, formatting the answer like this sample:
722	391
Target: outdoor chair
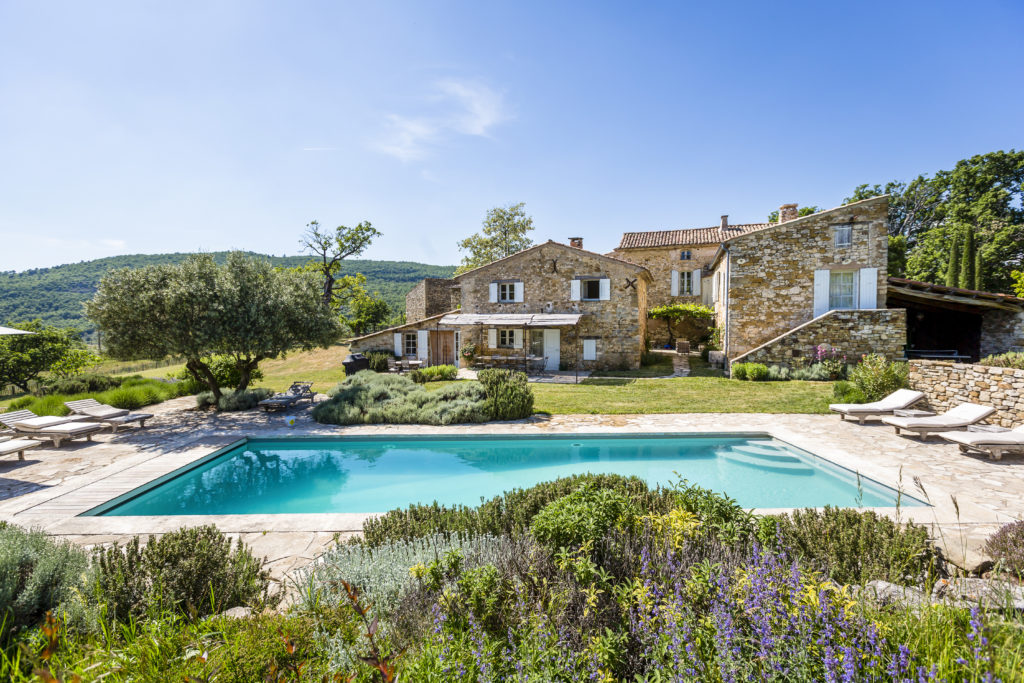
900	399
108	415
393	366
286	399
49	427
18	446
993	444
959	417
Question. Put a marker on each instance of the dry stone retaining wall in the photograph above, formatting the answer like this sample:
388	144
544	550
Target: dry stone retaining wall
947	384
854	332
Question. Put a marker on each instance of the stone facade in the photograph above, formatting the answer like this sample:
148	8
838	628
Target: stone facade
763	282
946	385
546	271
429	297
853	332
1001	331
660	262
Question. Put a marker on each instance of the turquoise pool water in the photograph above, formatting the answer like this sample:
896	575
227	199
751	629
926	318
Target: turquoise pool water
377	474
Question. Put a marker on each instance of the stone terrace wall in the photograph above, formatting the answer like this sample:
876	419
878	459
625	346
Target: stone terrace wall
854	332
429	297
948	384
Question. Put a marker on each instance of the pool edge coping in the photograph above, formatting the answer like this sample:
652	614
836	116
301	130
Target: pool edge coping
71	523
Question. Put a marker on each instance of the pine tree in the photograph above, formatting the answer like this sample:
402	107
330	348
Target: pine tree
953	269
967	274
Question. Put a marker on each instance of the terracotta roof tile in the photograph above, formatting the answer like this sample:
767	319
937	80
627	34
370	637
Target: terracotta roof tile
673	238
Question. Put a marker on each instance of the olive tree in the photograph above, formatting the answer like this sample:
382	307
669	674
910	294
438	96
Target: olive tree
245	309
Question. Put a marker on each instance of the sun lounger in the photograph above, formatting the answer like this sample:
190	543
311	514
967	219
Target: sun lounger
28	424
18	446
897	400
108	415
995	444
959	417
284	400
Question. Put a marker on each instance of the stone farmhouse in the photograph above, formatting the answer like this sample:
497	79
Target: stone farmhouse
778	291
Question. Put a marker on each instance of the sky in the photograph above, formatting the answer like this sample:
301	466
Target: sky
149	127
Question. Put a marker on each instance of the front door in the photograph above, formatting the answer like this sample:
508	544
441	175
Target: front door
442	347
552	349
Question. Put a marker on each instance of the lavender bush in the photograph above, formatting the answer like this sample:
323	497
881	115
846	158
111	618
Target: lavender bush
1006	547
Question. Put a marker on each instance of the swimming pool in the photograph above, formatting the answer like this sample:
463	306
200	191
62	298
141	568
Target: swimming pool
375	474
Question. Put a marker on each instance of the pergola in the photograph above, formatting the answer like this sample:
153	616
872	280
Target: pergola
524	321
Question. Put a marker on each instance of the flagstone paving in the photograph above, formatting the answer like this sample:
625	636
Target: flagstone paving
971	496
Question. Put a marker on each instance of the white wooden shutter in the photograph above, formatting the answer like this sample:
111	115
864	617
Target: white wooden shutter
399	351
821	284
606	289
674	283
422	340
492	338
868	288
494	292
574	290
517	339
589	349
518	290
695	279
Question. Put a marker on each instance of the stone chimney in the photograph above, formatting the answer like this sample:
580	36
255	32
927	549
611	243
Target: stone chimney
725	222
576	242
787	212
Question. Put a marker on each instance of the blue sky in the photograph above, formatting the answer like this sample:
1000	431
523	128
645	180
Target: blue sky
144	127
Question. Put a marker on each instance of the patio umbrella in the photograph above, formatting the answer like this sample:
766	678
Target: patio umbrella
11	330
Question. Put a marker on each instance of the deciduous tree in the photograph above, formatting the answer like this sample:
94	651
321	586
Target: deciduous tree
330	249
504	233
25	357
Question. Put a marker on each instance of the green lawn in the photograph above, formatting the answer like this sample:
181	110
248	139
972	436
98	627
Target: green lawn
657	365
681	395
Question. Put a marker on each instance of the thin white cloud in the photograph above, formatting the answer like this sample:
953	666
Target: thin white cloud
482	107
460	107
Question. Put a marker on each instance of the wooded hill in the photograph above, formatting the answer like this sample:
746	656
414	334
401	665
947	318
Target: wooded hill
55	295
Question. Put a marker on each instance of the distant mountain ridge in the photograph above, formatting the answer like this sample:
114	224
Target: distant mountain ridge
55	295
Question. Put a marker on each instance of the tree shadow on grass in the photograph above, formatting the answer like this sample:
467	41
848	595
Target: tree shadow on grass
608	381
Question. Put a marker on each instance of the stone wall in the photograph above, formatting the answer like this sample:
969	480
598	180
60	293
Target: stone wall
429	297
946	385
618	324
853	332
1001	331
768	274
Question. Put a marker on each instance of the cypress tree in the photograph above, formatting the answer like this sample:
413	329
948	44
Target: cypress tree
979	270
953	268
967	274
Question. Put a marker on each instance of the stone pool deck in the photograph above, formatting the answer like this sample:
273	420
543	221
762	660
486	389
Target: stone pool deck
971	496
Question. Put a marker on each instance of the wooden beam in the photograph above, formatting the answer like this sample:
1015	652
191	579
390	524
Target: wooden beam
931	295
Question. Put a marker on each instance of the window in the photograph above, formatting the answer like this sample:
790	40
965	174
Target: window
842	289
590	290
506	339
843	235
685	283
410	343
506	292
684	255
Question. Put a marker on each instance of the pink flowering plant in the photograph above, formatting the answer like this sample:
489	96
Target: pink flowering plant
831	359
